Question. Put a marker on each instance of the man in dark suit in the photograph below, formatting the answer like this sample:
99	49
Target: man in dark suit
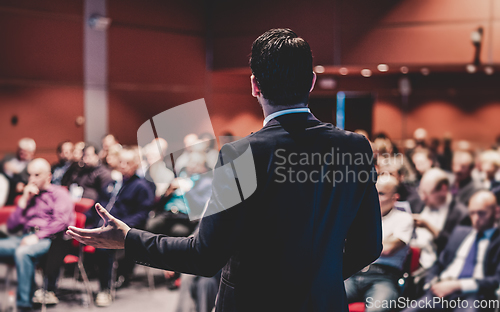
313	220
469	267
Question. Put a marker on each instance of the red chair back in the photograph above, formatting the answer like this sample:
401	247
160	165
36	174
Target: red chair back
415	259
83	205
80	219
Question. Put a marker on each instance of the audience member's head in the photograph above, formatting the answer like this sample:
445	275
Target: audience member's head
420	136
26	149
78	151
434	188
392	166
108	141
209	139
489	163
113	157
383	146
464	146
387	186
462	165
190	140
90	156
196	163
155	151
65	151
422	159
483	210
39	173
129	161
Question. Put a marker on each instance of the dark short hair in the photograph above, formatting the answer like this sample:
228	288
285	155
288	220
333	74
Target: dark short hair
281	62
94	146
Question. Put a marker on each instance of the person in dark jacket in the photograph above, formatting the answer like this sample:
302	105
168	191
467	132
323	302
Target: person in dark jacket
294	209
92	176
131	198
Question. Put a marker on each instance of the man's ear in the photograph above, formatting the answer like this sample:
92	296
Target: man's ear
255	86
313	82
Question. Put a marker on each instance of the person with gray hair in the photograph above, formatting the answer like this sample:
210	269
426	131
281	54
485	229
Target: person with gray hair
43	211
14	167
464	185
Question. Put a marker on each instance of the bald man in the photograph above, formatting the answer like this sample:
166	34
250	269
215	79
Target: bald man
43	211
378	282
469	267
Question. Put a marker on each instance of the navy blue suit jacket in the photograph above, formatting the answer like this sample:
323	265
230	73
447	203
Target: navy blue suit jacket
490	282
290	245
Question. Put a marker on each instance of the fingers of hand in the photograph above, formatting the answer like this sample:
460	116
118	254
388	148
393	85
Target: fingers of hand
81	238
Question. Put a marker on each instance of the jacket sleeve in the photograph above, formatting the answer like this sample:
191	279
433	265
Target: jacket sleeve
364	239
209	248
363	243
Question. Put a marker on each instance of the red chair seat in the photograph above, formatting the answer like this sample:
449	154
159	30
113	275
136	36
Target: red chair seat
88	249
70	259
357	307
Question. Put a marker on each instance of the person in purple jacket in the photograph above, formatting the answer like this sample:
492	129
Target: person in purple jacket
42	211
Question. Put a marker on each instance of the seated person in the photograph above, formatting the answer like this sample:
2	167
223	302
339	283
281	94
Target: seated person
14	167
43	211
131	199
65	156
423	160
436	218
380	279
92	177
463	185
107	141
489	164
467	268
184	195
406	191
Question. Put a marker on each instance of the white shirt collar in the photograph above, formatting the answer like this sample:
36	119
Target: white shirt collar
285	112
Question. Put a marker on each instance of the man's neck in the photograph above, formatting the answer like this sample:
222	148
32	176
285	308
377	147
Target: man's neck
269	109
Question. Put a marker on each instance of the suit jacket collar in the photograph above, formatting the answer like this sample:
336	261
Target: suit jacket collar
292	118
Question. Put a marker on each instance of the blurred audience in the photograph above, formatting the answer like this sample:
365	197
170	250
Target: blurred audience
65	156
379	281
43	211
463	186
437	217
108	141
156	169
129	200
92	177
423	160
14	168
468	268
